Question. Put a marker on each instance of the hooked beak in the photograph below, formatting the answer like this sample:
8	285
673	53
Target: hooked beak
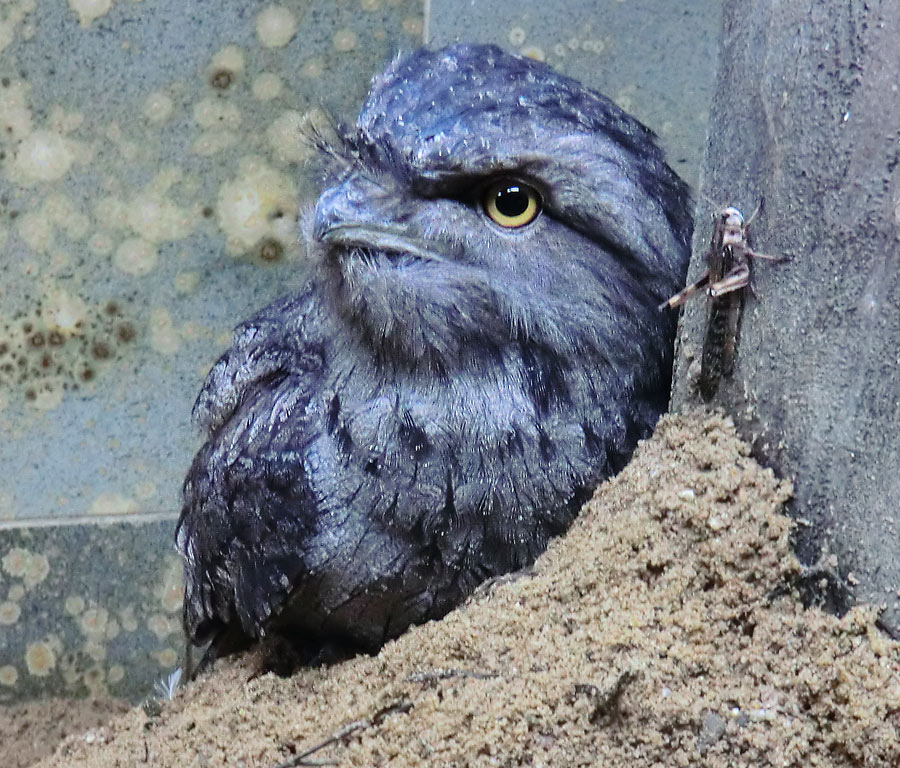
361	213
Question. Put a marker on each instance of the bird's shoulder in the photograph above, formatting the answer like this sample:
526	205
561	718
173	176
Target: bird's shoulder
275	343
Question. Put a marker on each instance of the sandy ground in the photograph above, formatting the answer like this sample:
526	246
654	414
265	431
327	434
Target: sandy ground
33	730
661	631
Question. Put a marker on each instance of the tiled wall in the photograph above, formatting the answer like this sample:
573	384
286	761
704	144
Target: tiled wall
150	177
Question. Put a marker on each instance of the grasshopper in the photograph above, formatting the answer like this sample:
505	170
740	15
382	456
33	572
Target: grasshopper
726	277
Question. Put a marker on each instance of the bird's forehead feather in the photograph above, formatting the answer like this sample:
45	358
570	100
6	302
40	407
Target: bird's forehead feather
428	103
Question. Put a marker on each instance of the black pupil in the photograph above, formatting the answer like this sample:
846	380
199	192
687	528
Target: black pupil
512	201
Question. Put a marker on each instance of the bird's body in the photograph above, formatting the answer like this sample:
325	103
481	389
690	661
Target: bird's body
445	390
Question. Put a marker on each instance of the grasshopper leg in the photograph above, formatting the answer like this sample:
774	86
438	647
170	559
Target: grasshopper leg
738	278
682	296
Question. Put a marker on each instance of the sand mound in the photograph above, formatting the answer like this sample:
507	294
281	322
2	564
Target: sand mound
661	631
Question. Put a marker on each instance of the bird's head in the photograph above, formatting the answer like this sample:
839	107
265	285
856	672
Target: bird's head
484	199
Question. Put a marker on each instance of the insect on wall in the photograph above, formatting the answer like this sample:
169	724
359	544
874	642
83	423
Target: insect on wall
726	279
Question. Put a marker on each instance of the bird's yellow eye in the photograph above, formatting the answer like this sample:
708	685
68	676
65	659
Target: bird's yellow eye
511	204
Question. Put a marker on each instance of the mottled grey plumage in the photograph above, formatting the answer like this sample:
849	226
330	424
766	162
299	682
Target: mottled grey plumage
442	393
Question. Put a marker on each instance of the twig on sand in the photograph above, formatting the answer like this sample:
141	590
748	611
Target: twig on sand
606	703
398	707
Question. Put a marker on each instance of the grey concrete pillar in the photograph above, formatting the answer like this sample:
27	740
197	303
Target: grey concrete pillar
806	117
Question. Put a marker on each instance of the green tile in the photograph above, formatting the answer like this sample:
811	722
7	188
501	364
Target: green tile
88	609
